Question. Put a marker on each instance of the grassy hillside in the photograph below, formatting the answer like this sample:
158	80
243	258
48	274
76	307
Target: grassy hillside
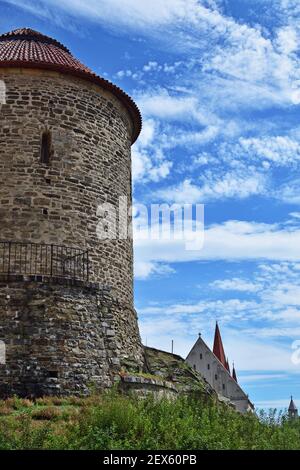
110	421
173	368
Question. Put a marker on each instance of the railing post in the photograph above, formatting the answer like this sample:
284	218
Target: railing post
51	261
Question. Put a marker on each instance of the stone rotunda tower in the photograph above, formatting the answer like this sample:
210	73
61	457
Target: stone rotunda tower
66	296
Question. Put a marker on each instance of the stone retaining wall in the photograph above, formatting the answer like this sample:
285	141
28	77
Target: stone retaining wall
61	340
144	386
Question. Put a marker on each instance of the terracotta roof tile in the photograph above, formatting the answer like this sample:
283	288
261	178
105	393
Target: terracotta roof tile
28	48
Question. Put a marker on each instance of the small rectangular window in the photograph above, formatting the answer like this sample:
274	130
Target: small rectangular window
46	148
201	356
223	386
216	377
208	366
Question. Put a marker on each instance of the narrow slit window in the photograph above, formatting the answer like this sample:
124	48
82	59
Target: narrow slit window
46	148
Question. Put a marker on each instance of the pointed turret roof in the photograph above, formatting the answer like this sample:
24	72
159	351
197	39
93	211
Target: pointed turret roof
26	48
227	365
292	406
218	348
234	373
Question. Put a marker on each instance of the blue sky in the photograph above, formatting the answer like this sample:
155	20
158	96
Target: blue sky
218	85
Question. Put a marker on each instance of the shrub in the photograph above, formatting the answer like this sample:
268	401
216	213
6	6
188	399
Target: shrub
111	421
48	413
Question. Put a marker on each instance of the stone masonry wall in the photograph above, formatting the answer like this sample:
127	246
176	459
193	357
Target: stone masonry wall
59	339
90	165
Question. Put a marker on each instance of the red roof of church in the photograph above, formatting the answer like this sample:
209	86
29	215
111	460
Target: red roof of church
218	348
28	48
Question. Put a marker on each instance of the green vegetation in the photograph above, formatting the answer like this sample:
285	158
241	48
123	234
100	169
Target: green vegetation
112	421
173	368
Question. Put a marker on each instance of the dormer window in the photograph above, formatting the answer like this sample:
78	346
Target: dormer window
46	145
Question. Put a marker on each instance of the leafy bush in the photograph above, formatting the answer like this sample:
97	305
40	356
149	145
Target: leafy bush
47	413
111	421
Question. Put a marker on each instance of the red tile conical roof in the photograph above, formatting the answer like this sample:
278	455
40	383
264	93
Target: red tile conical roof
28	48
218	348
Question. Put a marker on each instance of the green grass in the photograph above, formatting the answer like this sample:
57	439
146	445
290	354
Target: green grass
111	421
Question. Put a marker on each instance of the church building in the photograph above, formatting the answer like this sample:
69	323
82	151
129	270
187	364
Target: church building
213	366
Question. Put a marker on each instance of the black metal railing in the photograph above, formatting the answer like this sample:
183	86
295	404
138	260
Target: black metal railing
37	259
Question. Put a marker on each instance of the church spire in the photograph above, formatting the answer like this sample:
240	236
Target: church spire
234	372
218	348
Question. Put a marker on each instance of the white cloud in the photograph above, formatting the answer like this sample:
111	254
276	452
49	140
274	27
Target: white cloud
287	40
281	150
152	65
204	158
159	103
286	294
143	270
236	284
289	192
238	184
186	192
250	240
290	314
148	168
231	240
142	15
215	309
164	129
239	170
290	10
250	354
278	332
148	161
133	13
